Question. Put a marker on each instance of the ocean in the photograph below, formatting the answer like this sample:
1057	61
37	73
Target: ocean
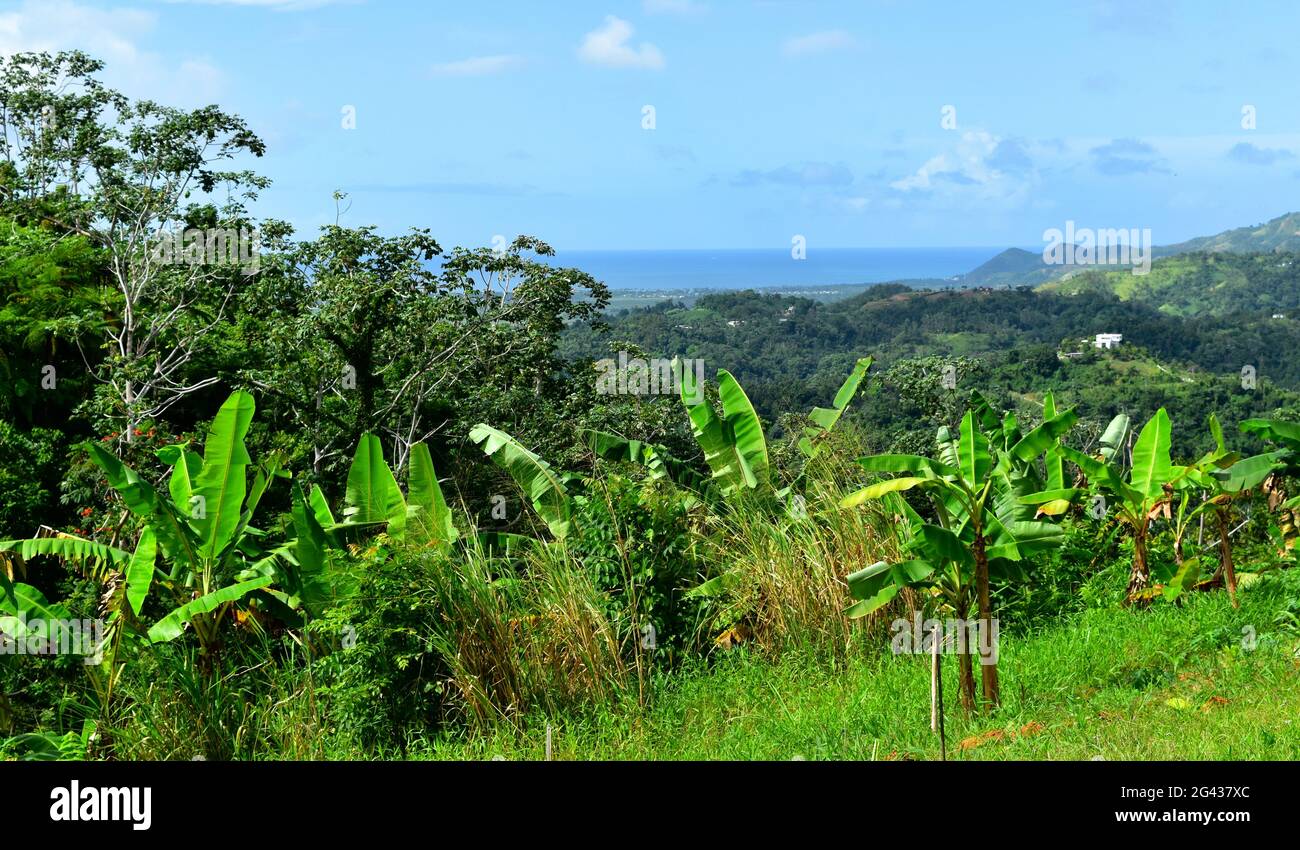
744	269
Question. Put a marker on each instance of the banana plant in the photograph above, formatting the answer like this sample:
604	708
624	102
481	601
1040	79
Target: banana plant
733	444
982	529
374	500
1285	435
1223	476
823	419
1139	499
945	582
201	529
658	462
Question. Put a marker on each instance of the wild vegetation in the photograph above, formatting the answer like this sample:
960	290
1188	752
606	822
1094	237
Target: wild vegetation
371	499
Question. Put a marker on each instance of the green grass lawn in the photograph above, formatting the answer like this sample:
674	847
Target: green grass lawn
1171	682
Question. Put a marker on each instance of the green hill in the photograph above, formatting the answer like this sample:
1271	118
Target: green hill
1016	266
1200	284
1279	234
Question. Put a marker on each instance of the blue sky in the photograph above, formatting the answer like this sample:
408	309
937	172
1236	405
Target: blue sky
771	119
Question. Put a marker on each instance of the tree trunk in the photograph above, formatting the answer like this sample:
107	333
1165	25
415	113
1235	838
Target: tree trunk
988	661
965	664
1225	555
1140	577
967	670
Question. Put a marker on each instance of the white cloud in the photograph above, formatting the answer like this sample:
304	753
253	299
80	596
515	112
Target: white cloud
817	42
609	46
112	35
979	166
478	66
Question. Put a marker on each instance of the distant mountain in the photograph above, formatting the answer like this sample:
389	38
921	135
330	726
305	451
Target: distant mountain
1014	265
1279	234
1017	267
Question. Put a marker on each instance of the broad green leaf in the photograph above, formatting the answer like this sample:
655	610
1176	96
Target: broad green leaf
320	507
716	437
171	527
1217	430
946	448
309	543
25	602
139	572
1152	466
171	626
824	418
312	581
745	427
906	463
1279	431
534	476
1183	580
1049	406
872	603
713	587
868	581
973	449
432	522
877	584
1053	462
1114	438
372	496
1248	473
1045	436
1056	507
940	544
222	482
1034	535
880	488
1104	475
75	550
26	613
1045	496
656	459
268	470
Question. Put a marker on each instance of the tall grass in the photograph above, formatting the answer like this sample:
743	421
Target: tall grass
539	639
782	574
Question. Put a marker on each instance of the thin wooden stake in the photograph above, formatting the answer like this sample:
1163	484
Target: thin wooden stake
938	696
934	689
548	742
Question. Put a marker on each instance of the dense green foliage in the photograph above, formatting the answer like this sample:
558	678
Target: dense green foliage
1011	345
370	497
1251	285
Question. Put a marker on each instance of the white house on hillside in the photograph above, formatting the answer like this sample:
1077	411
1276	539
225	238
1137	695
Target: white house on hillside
1107	340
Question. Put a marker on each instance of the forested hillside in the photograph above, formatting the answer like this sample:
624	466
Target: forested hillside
1015	344
1258	285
